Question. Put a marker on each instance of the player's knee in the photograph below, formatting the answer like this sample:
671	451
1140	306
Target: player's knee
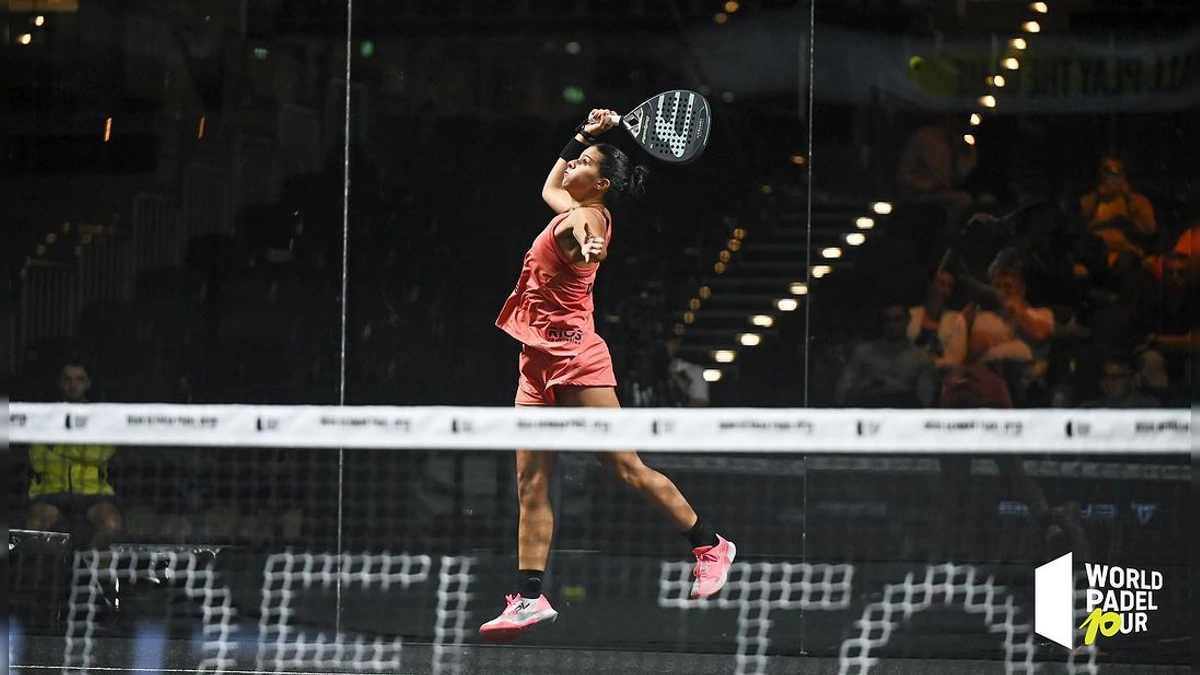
629	472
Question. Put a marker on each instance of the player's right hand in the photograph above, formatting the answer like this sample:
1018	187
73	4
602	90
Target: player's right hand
599	121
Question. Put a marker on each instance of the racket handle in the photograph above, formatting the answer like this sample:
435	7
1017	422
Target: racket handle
614	118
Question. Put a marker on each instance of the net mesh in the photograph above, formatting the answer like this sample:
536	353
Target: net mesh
244	559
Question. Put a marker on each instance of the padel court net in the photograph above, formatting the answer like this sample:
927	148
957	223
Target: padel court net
377	539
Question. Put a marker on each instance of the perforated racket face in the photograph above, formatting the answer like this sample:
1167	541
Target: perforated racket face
672	126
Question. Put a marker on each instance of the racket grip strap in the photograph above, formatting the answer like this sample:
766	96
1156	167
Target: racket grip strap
588	138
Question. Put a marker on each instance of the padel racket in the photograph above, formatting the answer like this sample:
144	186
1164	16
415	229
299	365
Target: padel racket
671	126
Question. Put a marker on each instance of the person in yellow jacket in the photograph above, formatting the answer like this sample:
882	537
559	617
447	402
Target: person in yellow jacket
73	478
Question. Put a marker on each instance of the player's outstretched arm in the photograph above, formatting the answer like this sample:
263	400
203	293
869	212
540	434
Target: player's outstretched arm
585	245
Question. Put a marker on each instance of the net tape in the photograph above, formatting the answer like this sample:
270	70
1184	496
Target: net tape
591	429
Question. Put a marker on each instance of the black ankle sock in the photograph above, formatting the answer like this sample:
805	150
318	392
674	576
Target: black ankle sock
701	535
531	583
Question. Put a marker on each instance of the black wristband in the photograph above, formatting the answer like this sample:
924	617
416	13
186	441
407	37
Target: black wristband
572	150
591	140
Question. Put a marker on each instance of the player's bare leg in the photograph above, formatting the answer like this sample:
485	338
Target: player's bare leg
535	530
535	526
714	554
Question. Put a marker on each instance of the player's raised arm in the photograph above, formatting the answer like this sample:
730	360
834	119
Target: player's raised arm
553	192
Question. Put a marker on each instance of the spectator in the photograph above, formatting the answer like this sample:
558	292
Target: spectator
1154	380
935	163
1117	382
1166	318
1124	219
942	332
889	371
72	480
685	380
1012	330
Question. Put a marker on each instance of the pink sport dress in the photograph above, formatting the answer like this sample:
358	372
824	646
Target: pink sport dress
550	314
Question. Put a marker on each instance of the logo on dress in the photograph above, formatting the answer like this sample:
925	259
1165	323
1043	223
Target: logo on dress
564	334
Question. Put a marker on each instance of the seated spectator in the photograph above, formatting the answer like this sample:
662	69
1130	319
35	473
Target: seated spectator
1117	382
72	480
1012	330
940	331
889	371
1123	218
1164	314
1154	380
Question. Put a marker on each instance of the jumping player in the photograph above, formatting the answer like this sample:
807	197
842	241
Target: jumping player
563	362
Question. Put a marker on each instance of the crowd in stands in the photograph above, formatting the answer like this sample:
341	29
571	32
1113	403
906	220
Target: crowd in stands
1083	302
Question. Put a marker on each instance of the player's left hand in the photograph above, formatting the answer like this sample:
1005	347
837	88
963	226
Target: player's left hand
592	247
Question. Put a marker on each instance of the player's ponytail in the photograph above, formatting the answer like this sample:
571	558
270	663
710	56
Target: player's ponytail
627	180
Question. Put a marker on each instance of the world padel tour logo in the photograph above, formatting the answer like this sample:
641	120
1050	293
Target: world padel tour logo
1117	600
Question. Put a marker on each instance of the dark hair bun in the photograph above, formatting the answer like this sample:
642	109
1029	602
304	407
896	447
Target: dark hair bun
637	181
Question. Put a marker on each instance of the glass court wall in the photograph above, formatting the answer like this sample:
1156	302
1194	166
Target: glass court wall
327	203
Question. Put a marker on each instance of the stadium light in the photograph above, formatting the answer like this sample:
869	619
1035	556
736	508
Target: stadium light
723	355
749	339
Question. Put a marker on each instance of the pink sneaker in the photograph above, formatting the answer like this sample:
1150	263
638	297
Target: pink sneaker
520	615
712	567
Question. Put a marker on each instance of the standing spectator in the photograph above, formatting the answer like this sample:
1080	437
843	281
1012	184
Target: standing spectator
685	380
935	163
889	371
73	479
